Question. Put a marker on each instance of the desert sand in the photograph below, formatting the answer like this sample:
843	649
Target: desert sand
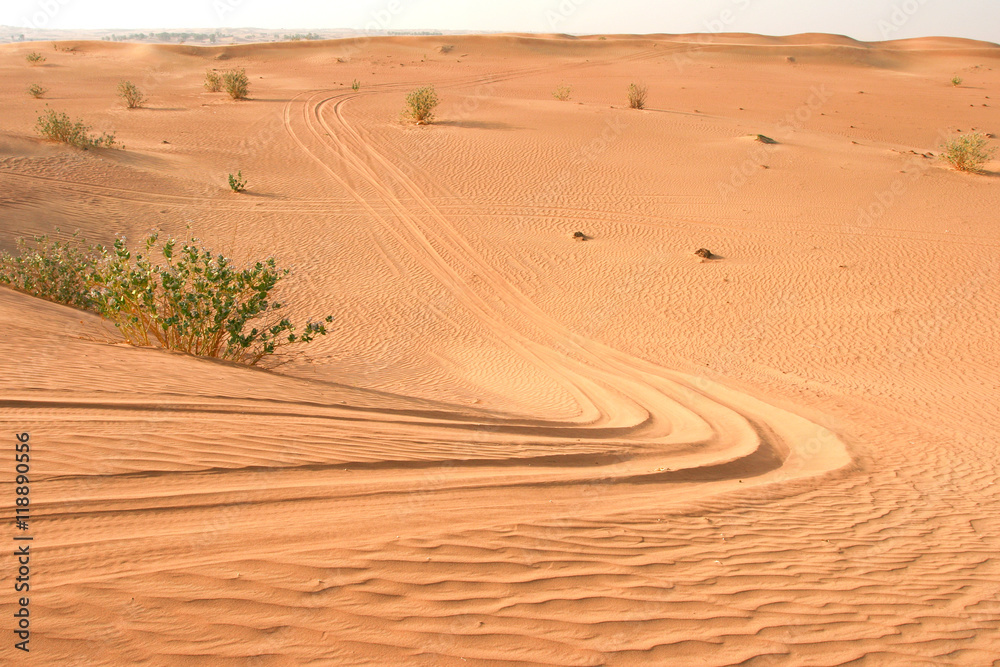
515	447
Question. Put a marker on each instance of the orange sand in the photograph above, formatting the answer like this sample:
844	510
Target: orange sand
517	448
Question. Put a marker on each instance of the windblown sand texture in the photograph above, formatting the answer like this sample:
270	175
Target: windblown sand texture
516	447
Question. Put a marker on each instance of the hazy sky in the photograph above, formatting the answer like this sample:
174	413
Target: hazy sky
862	19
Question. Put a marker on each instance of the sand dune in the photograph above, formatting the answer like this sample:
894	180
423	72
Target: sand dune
517	448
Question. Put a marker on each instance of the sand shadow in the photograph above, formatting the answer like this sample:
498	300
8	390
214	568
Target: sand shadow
476	124
259	195
132	158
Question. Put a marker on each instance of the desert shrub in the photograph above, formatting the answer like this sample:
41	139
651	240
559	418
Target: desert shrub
237	183
356	85
956	81
420	105
36	91
637	95
35	58
53	270
562	93
131	96
191	300
446	48
59	127
969	152
236	83
213	82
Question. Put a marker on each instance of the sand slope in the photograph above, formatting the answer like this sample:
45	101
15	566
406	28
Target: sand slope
517	448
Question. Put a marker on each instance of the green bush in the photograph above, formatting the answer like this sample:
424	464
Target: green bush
35	58
192	300
36	91
237	183
356	85
562	93
53	270
236	83
213	82
637	96
969	152
420	105
59	127
131	96
956	81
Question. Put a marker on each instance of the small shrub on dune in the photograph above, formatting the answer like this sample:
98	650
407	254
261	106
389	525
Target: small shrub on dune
58	127
236	83
970	152
637	96
190	300
956	81
420	105
237	183
213	82
562	93
36	91
356	85
35	58
131	96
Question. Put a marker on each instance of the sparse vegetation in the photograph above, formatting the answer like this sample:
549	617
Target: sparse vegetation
420	105
562	93
637	95
35	58
36	91
58	127
213	82
131	95
446	48
236	83
191	300
237	183
968	153
956	81
356	85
